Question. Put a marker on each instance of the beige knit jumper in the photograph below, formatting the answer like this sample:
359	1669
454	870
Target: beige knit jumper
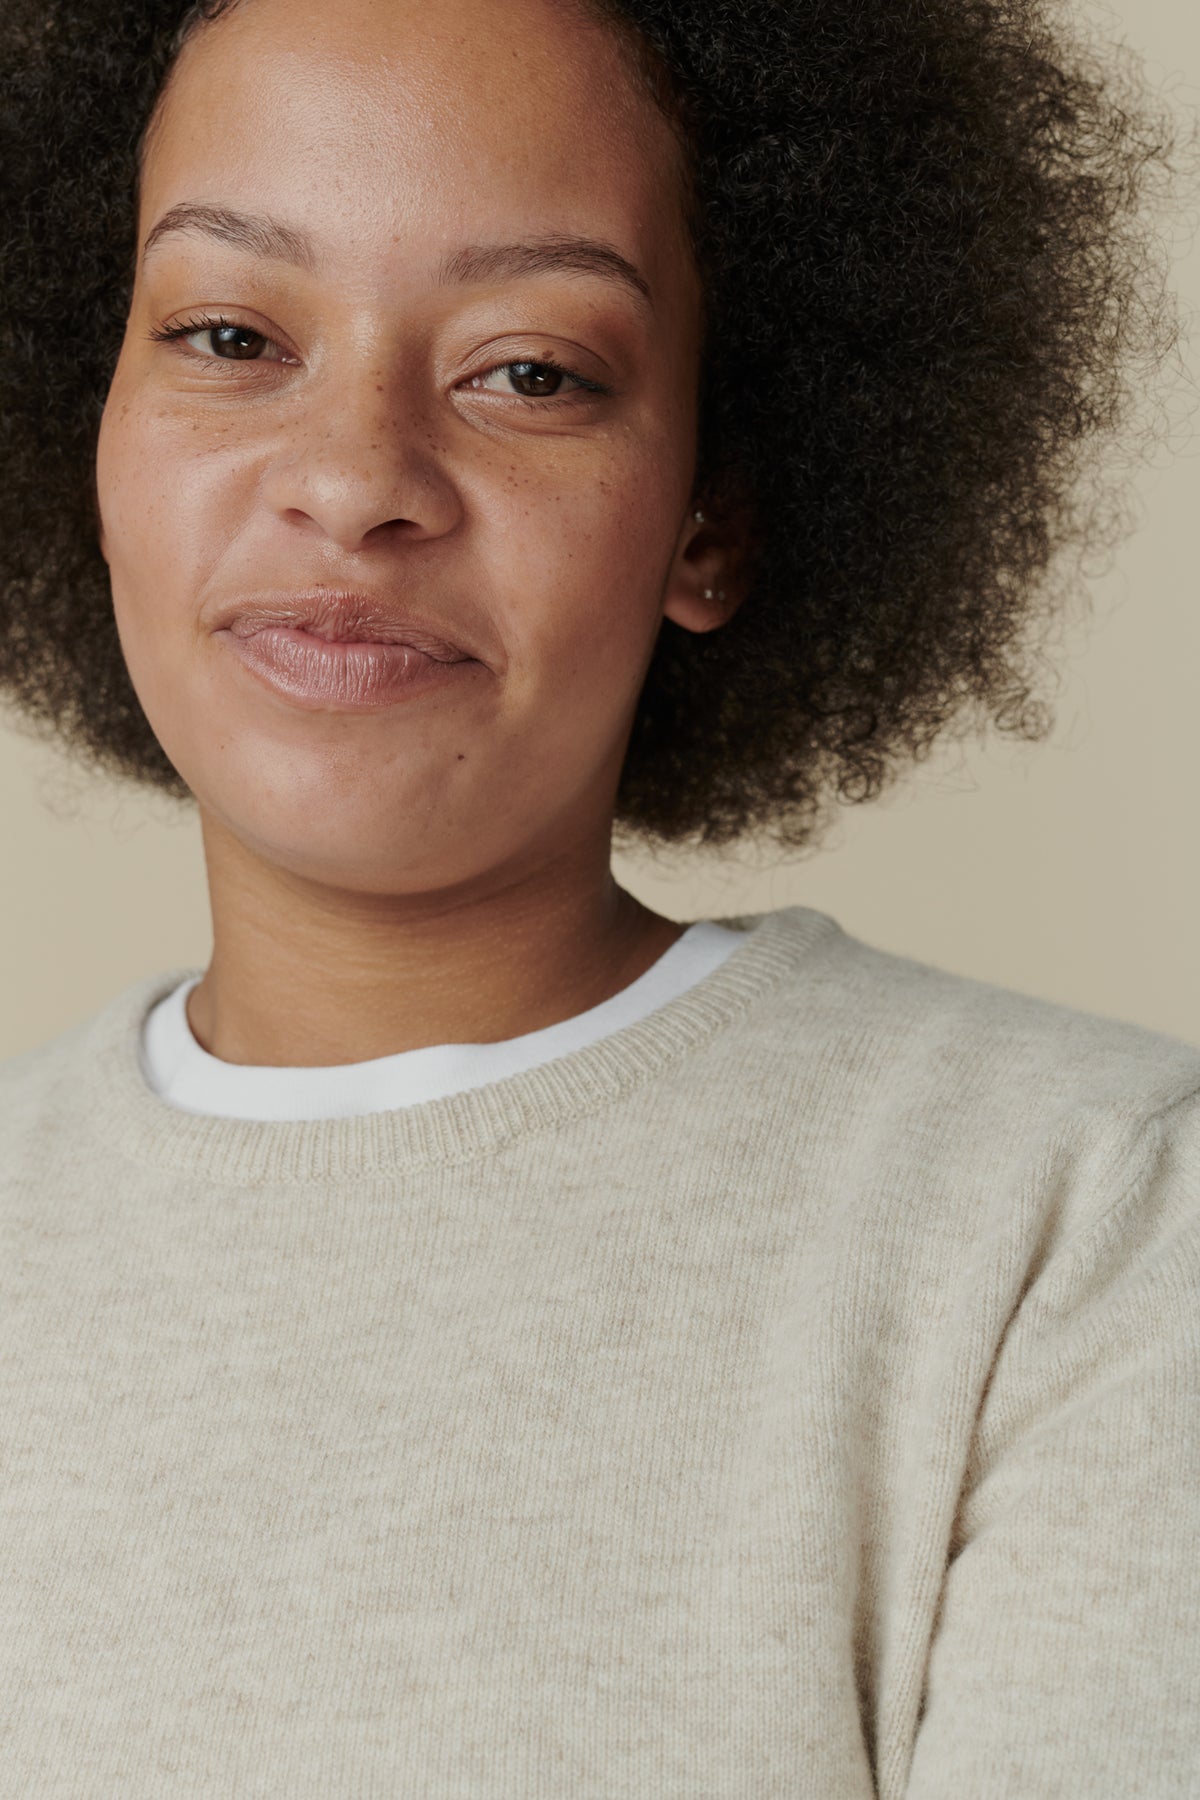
792	1396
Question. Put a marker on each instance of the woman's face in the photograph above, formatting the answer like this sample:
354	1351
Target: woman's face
372	437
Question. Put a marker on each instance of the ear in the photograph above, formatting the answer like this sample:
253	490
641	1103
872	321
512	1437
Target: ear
704	585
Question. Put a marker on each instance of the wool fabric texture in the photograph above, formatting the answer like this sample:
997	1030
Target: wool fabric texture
793	1394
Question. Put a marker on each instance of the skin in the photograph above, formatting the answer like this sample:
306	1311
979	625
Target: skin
436	871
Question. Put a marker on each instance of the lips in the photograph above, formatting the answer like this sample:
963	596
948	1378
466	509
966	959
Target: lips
342	618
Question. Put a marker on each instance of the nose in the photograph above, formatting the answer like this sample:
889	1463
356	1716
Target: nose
362	459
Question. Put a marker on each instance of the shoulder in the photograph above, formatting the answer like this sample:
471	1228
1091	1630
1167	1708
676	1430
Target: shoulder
44	1087
38	1090
974	1076
935	1022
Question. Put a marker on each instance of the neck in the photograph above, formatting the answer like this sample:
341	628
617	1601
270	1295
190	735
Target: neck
302	975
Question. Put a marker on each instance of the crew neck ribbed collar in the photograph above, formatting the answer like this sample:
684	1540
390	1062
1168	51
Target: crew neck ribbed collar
131	1118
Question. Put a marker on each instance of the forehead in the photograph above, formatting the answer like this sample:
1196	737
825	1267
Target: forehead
387	123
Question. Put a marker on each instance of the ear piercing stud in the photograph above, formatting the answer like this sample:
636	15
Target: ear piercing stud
708	592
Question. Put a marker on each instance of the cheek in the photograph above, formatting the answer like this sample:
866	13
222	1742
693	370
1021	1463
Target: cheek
164	511
164	498
582	566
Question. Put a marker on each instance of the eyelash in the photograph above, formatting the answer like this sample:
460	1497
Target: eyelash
188	329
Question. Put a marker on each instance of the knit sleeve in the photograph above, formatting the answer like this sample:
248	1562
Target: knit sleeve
1065	1661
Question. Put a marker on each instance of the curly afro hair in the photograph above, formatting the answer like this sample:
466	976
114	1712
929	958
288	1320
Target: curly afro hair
930	286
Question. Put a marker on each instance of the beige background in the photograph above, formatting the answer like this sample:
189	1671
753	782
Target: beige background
1069	869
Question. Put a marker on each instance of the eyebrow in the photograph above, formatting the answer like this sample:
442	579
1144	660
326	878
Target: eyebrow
266	237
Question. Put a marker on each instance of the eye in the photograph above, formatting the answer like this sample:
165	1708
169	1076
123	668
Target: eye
533	381
227	342
541	380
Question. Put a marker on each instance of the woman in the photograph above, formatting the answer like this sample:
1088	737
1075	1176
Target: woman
479	1337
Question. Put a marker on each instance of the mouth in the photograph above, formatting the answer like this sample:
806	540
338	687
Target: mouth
341	618
350	675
